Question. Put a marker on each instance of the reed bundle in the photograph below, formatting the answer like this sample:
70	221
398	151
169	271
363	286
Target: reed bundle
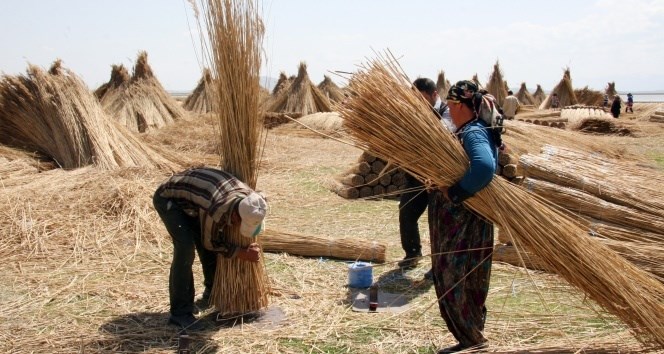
331	90
496	85
370	177
525	97
623	185
539	96
565	92
142	104
56	115
386	117
280	241
301	96
442	85
235	34
199	100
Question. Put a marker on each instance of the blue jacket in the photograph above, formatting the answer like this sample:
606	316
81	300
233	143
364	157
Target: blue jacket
482	152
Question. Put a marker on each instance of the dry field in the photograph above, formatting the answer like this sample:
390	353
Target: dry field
86	261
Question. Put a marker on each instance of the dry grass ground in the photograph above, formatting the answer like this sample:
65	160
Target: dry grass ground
86	259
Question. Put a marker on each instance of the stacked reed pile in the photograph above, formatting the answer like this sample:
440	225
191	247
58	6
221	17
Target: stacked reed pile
588	97
565	92
235	33
442	85
119	77
301	96
331	90
387	118
282	83
611	90
476	80
370	177
539	95
525	97
657	116
56	115
141	104
280	241
199	100
497	85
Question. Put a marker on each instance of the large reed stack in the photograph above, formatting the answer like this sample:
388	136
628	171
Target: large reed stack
442	84
301	96
565	92
331	90
589	97
539	95
386	117
55	114
235	33
496	85
280	241
199	100
525	97
142	104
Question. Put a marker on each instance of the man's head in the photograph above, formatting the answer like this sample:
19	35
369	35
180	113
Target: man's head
427	88
252	210
510	92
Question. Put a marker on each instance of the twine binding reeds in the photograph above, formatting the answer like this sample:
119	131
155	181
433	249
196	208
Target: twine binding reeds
235	33
386	117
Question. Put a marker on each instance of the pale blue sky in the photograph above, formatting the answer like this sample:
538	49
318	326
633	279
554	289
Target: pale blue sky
600	40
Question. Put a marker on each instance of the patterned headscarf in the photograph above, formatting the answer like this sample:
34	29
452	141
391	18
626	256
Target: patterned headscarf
463	91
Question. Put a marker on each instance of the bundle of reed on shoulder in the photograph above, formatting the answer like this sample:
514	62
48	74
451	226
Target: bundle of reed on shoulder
235	33
385	116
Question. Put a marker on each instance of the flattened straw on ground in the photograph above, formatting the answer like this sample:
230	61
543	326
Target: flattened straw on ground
375	116
235	34
56	115
297	244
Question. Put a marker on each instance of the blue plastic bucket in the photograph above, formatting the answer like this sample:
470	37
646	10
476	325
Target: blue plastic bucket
360	275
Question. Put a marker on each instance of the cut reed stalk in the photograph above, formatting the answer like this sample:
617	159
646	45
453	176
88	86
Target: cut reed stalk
386	117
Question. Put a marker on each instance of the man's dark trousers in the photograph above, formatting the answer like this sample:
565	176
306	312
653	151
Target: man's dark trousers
412	205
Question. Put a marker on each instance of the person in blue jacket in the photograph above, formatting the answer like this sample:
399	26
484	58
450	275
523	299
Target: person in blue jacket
461	241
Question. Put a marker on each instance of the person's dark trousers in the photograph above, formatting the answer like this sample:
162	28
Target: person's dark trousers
185	231
412	205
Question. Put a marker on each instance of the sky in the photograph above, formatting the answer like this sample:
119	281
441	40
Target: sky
600	41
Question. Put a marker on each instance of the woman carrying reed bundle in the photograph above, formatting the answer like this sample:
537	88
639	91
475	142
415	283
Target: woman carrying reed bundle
461	241
199	207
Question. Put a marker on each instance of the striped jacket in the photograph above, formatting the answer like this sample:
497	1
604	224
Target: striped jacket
214	194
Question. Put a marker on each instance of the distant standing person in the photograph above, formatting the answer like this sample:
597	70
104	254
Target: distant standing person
630	103
616	106
555	101
511	105
413	202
